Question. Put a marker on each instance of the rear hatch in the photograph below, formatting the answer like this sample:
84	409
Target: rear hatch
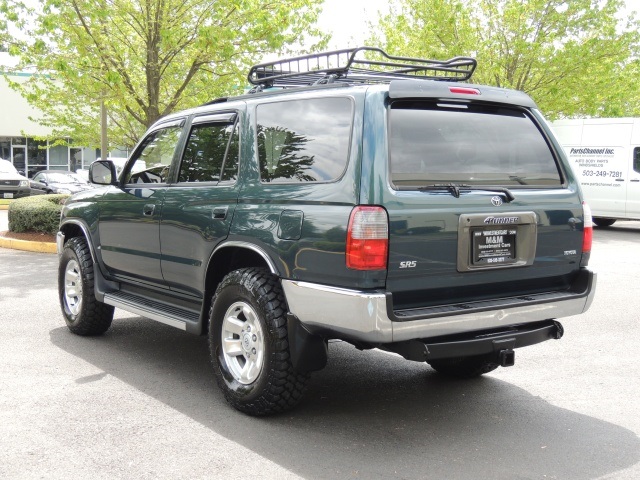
480	205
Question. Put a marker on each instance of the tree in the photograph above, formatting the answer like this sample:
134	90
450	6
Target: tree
144	58
574	57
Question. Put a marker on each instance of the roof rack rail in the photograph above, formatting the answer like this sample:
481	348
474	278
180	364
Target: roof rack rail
357	65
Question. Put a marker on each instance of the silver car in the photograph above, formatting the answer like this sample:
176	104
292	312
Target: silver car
12	184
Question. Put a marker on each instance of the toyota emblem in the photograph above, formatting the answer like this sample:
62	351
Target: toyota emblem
496	201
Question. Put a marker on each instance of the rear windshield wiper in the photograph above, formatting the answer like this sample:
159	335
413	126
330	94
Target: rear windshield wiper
455	189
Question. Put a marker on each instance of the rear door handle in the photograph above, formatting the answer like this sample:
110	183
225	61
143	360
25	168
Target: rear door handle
220	213
148	209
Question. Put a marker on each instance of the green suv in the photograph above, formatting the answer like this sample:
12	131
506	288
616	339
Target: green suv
350	195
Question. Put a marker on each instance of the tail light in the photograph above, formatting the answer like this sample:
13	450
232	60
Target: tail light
368	238
587	235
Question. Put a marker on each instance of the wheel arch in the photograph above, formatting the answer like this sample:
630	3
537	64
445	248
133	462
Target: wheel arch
76	228
226	258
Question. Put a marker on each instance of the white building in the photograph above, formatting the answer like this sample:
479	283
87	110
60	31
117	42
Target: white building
18	133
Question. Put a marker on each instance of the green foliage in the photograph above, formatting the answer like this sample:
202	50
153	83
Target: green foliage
39	213
145	58
574	57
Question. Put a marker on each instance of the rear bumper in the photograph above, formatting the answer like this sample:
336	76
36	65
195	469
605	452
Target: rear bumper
369	316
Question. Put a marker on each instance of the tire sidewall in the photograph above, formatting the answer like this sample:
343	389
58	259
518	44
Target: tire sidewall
69	254
225	297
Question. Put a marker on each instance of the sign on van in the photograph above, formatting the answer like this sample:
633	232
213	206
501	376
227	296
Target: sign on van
604	154
596	166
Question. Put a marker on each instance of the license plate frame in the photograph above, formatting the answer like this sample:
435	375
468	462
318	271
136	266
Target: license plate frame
474	228
7	195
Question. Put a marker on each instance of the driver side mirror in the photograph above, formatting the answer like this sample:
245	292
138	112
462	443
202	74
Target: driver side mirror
103	172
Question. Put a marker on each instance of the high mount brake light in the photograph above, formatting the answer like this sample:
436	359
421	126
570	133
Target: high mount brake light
465	90
368	238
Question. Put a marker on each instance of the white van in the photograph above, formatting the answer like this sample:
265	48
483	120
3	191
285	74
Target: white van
605	155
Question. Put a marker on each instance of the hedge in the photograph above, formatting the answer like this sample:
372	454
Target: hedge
39	213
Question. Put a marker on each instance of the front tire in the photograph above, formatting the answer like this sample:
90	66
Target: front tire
465	367
83	313
248	344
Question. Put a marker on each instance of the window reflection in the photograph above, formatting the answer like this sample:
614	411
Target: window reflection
151	165
304	140
211	154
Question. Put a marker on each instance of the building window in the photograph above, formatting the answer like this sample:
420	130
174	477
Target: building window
36	156
5	148
59	157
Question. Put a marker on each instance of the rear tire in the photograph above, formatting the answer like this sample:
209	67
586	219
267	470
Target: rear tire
464	367
604	222
83	314
249	345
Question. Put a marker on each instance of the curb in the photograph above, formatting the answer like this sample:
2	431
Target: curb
4	207
40	247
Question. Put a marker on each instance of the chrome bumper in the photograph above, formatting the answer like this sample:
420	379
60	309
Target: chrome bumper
365	316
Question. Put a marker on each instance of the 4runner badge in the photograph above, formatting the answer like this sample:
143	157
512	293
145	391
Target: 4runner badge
500	220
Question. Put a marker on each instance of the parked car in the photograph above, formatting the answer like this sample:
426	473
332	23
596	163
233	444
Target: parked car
12	184
373	199
58	181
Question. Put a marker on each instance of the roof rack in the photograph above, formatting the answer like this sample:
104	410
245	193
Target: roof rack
356	65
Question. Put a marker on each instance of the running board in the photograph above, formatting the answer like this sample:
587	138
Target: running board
160	312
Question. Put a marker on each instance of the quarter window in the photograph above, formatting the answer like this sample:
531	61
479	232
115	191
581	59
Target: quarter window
211	154
636	159
304	140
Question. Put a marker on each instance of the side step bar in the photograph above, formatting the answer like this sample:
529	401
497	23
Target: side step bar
160	312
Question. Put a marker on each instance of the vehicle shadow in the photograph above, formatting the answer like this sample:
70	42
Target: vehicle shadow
368	414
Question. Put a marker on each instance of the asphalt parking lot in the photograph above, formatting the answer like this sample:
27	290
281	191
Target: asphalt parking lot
141	401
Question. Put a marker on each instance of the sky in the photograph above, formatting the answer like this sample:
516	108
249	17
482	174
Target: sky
347	20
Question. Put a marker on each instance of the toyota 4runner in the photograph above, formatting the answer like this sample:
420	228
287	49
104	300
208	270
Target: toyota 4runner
350	195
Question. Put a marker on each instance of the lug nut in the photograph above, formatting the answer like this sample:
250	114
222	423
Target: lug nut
253	351
254	338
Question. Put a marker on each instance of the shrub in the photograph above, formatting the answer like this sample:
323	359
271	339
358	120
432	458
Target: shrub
39	213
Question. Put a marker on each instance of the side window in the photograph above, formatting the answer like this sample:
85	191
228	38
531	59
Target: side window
152	162
636	159
304	140
211	154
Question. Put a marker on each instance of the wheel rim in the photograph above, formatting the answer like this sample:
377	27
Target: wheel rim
243	342
73	287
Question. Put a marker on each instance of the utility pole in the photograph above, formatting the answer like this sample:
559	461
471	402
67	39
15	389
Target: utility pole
104	144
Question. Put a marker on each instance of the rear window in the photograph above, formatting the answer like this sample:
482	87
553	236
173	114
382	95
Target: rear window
434	143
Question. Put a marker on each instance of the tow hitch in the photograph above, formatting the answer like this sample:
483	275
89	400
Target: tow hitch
507	358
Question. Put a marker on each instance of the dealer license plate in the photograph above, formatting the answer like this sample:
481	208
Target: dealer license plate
494	246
